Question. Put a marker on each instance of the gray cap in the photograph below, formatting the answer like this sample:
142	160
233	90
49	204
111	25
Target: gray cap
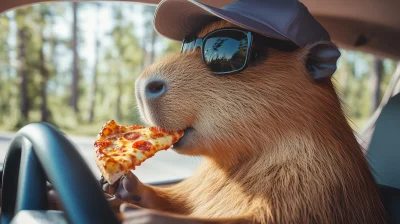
280	19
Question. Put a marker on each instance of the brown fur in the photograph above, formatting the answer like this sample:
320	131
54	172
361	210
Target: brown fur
277	146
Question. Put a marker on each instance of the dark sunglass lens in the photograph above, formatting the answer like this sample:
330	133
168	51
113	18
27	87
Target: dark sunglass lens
226	51
188	45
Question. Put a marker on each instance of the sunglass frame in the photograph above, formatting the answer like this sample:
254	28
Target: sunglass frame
200	42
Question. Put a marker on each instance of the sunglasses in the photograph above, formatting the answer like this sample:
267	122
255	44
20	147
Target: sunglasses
224	51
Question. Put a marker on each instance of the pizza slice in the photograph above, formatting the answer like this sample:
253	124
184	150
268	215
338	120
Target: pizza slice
120	149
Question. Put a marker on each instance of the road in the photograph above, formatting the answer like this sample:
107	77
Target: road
165	165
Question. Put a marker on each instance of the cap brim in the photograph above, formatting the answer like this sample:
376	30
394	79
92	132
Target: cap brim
176	19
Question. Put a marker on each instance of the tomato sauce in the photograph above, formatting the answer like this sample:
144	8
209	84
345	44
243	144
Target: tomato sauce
132	135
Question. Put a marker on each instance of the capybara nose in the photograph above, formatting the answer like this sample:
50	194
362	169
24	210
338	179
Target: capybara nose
155	89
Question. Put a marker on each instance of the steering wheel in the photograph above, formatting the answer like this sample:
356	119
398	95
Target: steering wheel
38	151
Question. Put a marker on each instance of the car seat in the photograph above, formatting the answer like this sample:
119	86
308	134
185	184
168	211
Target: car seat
384	156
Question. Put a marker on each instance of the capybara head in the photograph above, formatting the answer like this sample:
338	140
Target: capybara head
275	97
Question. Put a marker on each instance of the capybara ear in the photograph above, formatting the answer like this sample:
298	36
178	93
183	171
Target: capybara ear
321	60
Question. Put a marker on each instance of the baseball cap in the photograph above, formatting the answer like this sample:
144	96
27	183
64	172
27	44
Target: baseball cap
287	20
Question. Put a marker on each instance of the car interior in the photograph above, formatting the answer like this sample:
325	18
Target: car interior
370	26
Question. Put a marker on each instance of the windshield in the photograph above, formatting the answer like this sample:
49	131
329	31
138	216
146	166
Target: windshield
74	65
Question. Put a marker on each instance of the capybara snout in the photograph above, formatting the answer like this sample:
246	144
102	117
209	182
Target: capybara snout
170	93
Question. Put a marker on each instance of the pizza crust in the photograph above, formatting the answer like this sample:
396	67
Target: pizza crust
111	178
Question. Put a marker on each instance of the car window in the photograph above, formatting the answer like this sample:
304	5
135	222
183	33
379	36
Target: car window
361	81
74	65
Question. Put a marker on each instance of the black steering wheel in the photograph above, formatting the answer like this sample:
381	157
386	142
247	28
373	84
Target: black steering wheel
41	153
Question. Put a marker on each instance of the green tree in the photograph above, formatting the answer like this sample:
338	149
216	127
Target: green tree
23	34
75	65
35	65
44	18
4	49
150	36
5	68
123	63
94	83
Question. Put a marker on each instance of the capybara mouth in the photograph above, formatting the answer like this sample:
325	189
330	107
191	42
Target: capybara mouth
187	132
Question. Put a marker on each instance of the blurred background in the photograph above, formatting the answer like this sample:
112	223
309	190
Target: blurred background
74	65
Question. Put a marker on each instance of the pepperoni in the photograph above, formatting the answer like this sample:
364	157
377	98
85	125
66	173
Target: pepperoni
143	145
132	135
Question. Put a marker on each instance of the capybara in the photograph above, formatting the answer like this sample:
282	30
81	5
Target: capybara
276	144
